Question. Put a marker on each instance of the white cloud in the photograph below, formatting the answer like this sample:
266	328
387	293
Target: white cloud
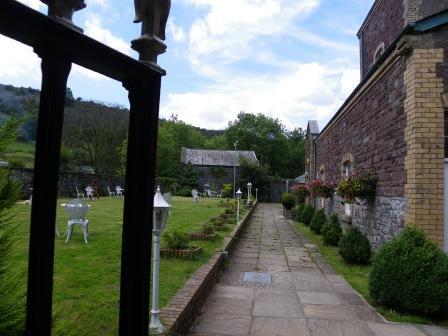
309	91
35	4
177	32
19	65
101	3
94	29
233	30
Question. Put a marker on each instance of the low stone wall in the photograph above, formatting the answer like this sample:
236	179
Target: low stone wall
68	182
180	313
380	220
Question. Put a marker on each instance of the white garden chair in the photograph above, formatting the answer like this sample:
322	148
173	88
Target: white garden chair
78	193
111	193
89	192
76	210
196	196
119	191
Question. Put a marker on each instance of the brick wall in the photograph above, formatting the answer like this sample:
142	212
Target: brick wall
382	26
425	138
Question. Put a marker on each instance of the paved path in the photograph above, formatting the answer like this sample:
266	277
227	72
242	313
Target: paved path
305	297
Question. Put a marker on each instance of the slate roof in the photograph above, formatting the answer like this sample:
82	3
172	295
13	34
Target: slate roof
301	179
313	127
222	158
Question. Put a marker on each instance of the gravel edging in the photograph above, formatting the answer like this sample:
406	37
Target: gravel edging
185	305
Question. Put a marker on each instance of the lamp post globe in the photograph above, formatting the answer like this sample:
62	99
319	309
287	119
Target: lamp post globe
161	210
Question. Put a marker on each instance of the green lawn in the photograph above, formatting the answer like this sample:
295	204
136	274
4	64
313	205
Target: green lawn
86	276
358	277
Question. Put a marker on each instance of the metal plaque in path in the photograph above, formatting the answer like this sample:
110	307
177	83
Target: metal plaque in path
264	278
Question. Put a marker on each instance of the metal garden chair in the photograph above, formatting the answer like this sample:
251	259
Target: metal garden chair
76	210
111	193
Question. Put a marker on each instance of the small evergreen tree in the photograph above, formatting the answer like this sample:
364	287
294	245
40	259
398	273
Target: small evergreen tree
189	177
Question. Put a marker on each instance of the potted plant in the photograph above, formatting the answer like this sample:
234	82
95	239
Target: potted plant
324	189
176	245
357	187
288	202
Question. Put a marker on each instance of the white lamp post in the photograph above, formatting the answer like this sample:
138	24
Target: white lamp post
234	168
287	185
238	196
160	212
248	193
256	194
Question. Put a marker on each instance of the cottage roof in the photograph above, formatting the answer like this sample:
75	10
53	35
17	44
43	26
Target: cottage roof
223	158
301	179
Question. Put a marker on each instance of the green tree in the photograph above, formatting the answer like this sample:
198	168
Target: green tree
258	175
217	142
264	135
12	294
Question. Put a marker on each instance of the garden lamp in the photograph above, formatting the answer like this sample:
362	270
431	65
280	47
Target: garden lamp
160	213
287	185
238	197
256	194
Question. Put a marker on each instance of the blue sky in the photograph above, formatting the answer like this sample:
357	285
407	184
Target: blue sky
294	60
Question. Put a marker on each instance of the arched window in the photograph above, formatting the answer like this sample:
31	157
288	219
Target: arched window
378	52
347	171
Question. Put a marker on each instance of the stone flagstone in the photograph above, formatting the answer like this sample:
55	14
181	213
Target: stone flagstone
305	297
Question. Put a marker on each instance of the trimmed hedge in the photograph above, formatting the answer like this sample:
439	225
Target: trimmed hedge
307	215
354	247
410	274
318	221
298	211
332	231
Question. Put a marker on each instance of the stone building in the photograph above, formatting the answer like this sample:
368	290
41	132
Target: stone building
215	167
394	124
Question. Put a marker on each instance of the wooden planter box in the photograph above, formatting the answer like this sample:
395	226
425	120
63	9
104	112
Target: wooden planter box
201	236
174	253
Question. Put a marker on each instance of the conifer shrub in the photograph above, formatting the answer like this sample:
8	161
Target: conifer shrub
318	221
354	247
307	214
176	240
410	274
332	231
298	211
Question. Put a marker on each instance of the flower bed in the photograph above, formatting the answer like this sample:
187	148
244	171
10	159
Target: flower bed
181	253
201	236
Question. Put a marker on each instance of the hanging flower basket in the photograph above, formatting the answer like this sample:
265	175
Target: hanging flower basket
301	191
324	189
357	187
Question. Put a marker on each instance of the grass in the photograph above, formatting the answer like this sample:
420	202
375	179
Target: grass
86	276
20	152
358	277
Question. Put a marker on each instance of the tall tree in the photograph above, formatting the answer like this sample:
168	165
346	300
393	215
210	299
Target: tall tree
264	135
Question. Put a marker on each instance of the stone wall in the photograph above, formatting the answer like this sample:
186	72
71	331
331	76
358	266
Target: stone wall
215	176
68	181
380	220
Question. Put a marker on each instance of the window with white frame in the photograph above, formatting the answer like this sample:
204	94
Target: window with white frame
348	173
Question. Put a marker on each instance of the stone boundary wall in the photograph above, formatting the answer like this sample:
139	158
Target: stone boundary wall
183	308
68	181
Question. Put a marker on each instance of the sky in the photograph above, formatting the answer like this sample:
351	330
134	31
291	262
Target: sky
294	60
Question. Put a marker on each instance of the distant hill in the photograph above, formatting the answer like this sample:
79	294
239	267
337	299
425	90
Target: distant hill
24	102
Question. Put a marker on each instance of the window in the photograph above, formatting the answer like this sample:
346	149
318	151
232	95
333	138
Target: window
348	172
378	52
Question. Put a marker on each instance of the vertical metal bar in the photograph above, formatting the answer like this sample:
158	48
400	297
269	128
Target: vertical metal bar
55	71
144	95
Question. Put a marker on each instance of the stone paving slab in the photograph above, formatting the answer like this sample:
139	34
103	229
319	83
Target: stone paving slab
305	297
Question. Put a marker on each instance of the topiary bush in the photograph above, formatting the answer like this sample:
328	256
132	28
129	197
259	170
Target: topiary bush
288	201
354	247
319	219
307	214
332	231
410	274
298	211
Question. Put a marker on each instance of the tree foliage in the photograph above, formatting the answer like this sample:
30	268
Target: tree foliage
258	175
281	150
